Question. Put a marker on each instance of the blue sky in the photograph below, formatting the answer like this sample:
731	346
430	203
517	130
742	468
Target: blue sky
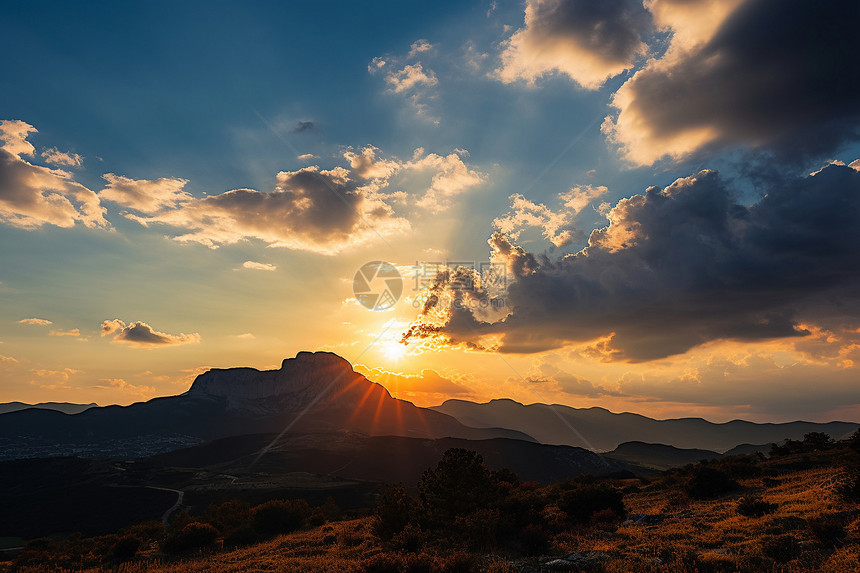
428	118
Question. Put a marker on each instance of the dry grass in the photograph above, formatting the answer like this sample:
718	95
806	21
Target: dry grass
694	536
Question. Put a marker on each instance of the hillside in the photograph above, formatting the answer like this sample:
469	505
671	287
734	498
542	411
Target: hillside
804	525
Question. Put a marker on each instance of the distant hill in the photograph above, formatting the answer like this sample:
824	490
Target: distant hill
314	392
659	456
64	407
390	459
603	430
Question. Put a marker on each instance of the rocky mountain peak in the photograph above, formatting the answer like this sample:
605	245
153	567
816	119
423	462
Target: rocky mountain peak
298	379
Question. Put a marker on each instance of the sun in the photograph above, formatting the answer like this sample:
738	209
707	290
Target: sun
393	350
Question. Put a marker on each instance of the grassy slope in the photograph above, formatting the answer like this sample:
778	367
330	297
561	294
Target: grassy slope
696	535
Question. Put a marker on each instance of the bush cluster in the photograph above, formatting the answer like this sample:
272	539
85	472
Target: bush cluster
464	504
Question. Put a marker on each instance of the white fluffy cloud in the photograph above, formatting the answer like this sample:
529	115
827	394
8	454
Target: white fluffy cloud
557	226
35	321
141	335
32	196
54	156
255	266
146	196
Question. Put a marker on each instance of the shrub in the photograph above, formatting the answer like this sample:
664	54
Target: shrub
848	487
411	539
534	540
785	523
383	563
752	506
241	537
457	563
782	548
193	536
829	530
229	516
817	441
280	516
707	483
124	549
582	503
478	530
394	510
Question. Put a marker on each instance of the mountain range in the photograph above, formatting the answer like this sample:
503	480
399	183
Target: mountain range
315	392
65	407
601	430
319	393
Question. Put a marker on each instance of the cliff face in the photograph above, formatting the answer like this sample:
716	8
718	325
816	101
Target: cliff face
311	378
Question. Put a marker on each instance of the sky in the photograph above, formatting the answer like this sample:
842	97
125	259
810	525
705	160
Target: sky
649	207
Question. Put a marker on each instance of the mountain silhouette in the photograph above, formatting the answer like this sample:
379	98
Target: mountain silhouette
314	392
602	430
65	407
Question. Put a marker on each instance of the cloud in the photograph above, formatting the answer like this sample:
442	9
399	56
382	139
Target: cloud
307	157
32	196
54	156
146	196
420	46
588	41
772	75
452	177
546	376
410	77
676	268
73	332
557	226
751	381
7	360
427	387
246	336
35	321
53	379
126	387
304	127
310	209
141	335
255	266
413	81
13	134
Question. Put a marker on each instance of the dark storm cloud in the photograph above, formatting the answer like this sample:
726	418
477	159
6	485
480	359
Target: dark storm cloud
681	266
779	75
589	41
304	127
